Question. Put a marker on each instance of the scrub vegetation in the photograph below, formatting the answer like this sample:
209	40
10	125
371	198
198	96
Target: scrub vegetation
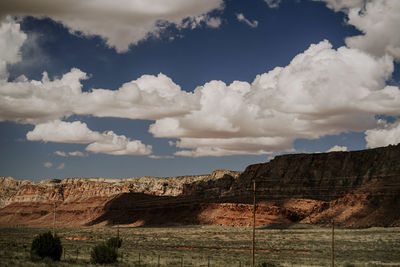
296	245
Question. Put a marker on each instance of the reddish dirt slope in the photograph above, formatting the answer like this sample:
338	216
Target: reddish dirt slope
356	189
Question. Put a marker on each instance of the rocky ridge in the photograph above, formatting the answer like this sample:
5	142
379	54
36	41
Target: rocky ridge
356	189
79	189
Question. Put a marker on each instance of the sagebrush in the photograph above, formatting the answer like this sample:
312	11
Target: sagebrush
46	246
106	252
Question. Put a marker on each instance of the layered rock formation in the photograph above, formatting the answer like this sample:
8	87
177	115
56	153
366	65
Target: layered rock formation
356	189
80	201
359	188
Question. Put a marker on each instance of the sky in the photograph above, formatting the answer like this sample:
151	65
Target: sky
184	87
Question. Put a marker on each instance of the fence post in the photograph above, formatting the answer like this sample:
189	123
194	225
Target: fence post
254	223
54	219
181	261
208	261
158	261
333	245
139	258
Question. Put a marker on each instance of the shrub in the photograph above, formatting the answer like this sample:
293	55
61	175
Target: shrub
46	245
106	252
114	242
102	253
267	264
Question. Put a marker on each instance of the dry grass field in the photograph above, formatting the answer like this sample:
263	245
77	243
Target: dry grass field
214	245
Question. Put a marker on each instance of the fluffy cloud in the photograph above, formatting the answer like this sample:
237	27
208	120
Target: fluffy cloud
63	132
242	18
11	40
113	144
60	153
149	97
47	164
119	22
78	132
379	21
73	154
197	147
40	101
322	91
385	134
343	5
77	154
337	148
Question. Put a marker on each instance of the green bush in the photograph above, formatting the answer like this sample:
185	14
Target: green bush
106	252
114	242
46	245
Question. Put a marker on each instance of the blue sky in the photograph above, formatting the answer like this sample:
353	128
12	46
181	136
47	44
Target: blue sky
186	87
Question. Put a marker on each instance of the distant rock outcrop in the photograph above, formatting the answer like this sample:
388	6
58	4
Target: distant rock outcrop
355	189
81	200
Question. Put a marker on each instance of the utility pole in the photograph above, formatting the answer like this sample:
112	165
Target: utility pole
254	222
54	220
333	245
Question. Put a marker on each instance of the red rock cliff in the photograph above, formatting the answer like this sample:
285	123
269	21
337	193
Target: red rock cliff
356	189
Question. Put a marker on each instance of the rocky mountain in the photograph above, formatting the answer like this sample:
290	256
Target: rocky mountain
355	189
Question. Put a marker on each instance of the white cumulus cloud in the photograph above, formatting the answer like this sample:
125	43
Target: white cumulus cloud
148	97
113	144
47	164
385	134
343	5
60	153
378	21
337	148
76	154
63	132
72	154
120	22
322	91
77	132
197	147
11	40
40	101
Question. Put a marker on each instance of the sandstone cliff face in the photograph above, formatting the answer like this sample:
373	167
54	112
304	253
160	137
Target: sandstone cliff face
81	200
80	189
356	189
322	176
360	188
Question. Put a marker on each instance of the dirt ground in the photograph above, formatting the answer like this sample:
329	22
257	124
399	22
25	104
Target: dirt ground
283	245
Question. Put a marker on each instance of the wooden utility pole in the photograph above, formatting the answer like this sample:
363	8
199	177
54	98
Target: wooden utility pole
333	245
254	222
54	220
